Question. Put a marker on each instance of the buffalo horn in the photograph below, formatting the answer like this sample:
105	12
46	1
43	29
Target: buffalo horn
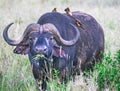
50	27
23	38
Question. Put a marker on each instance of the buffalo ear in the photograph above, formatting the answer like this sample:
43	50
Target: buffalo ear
58	52
22	49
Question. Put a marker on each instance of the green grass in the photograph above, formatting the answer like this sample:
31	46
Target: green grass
15	70
54	86
109	72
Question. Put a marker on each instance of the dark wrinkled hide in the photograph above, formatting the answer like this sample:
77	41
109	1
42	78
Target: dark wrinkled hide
80	56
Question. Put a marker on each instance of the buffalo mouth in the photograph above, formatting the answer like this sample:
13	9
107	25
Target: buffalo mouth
39	56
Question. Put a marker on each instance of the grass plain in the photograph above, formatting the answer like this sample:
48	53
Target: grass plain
15	70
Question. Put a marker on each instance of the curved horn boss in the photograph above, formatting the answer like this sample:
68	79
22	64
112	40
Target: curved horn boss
50	27
34	27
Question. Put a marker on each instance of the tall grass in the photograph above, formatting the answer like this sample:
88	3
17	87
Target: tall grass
15	70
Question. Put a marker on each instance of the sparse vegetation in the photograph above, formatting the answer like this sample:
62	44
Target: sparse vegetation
15	70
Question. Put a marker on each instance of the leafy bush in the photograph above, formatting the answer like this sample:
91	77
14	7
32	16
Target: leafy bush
109	72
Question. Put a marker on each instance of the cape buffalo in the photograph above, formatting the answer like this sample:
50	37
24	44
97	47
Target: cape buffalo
60	42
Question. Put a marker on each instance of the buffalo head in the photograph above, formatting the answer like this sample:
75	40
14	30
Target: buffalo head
40	42
35	35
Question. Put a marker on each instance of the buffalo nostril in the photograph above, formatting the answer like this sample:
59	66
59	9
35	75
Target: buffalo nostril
37	49
40	49
45	49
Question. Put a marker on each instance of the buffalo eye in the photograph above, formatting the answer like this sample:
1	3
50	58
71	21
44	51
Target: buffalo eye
50	38
32	39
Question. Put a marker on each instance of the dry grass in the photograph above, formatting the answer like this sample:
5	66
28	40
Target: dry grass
16	71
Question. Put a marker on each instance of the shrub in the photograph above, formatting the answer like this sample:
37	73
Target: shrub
109	72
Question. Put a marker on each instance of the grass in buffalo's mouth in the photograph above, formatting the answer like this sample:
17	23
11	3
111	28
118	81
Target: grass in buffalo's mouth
38	56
